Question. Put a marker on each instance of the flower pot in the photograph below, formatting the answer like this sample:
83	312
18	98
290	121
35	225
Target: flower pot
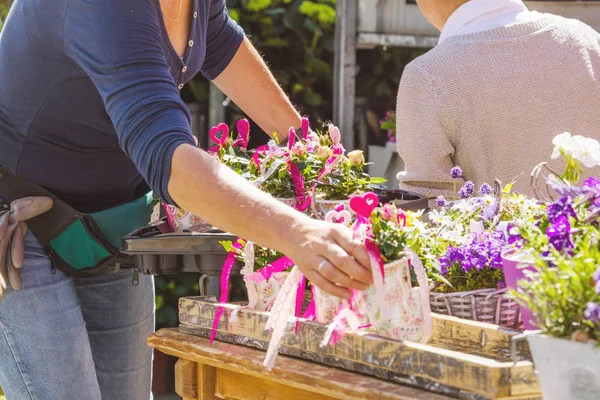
180	220
485	305
405	319
326	306
514	271
324	206
261	293
566	369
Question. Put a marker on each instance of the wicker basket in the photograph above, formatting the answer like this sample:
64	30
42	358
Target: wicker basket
486	305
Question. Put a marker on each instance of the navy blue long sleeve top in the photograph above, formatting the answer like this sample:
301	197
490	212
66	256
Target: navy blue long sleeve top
89	94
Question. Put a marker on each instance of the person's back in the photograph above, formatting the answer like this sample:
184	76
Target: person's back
491	102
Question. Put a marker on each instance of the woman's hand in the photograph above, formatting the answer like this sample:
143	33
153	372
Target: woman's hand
330	257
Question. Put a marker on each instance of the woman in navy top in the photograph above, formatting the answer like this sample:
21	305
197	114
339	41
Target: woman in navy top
90	109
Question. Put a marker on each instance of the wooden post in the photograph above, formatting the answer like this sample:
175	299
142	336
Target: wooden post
345	70
216	109
186	379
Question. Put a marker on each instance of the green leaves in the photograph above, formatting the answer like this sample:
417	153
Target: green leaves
322	12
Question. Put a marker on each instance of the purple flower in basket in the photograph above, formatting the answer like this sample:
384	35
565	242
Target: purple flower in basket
592	312
514	237
561	208
463	194
591	187
469	187
596	276
440	201
559	234
501	285
456	172
485	189
478	254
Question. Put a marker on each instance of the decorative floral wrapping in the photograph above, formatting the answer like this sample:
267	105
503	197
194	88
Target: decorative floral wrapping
262	293
180	220
409	315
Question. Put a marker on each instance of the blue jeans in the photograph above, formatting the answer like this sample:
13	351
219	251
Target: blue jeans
65	338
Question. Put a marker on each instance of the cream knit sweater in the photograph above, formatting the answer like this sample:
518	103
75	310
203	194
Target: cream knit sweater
491	102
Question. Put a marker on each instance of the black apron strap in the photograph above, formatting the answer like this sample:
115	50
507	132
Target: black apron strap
47	226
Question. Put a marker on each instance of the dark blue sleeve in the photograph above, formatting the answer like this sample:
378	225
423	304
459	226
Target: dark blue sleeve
223	39
118	44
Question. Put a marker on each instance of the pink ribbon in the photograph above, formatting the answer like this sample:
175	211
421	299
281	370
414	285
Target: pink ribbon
305	128
265	273
225	274
291	139
302	200
299	300
311	311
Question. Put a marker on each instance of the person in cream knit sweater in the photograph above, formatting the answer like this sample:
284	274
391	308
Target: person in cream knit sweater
490	97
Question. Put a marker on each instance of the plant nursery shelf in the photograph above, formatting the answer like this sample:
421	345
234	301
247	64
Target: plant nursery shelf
463	359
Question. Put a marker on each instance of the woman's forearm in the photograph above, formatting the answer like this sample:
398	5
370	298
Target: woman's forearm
202	185
248	82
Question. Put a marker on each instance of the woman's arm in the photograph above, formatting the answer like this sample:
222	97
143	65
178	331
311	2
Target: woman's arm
207	188
249	83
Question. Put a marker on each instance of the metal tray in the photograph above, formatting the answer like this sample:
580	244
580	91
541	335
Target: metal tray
158	252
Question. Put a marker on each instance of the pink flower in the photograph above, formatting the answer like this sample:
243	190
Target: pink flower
389	212
298	149
334	134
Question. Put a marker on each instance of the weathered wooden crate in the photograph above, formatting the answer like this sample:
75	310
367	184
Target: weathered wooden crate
464	359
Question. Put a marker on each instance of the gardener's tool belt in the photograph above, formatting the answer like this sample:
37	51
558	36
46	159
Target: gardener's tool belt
79	244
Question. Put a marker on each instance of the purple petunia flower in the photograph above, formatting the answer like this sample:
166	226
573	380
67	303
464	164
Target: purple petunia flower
561	207
597	287
469	187
591	187
596	276
456	172
485	189
478	254
559	234
440	201
592	312
501	285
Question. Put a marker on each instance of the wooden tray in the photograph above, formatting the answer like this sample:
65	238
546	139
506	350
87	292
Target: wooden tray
464	359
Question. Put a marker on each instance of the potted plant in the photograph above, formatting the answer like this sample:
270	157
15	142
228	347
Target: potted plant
565	301
264	272
230	152
463	252
391	306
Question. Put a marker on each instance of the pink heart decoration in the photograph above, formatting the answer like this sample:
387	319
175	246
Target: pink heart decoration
215	130
338	217
243	128
364	205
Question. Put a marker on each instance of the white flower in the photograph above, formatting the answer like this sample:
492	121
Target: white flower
585	150
560	142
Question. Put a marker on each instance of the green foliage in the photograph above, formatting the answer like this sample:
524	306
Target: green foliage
558	295
168	291
296	39
4	7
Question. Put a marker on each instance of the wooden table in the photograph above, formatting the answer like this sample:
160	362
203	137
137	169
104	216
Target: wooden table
228	371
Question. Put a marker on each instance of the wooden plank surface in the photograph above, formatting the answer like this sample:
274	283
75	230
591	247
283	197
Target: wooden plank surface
439	369
298	374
